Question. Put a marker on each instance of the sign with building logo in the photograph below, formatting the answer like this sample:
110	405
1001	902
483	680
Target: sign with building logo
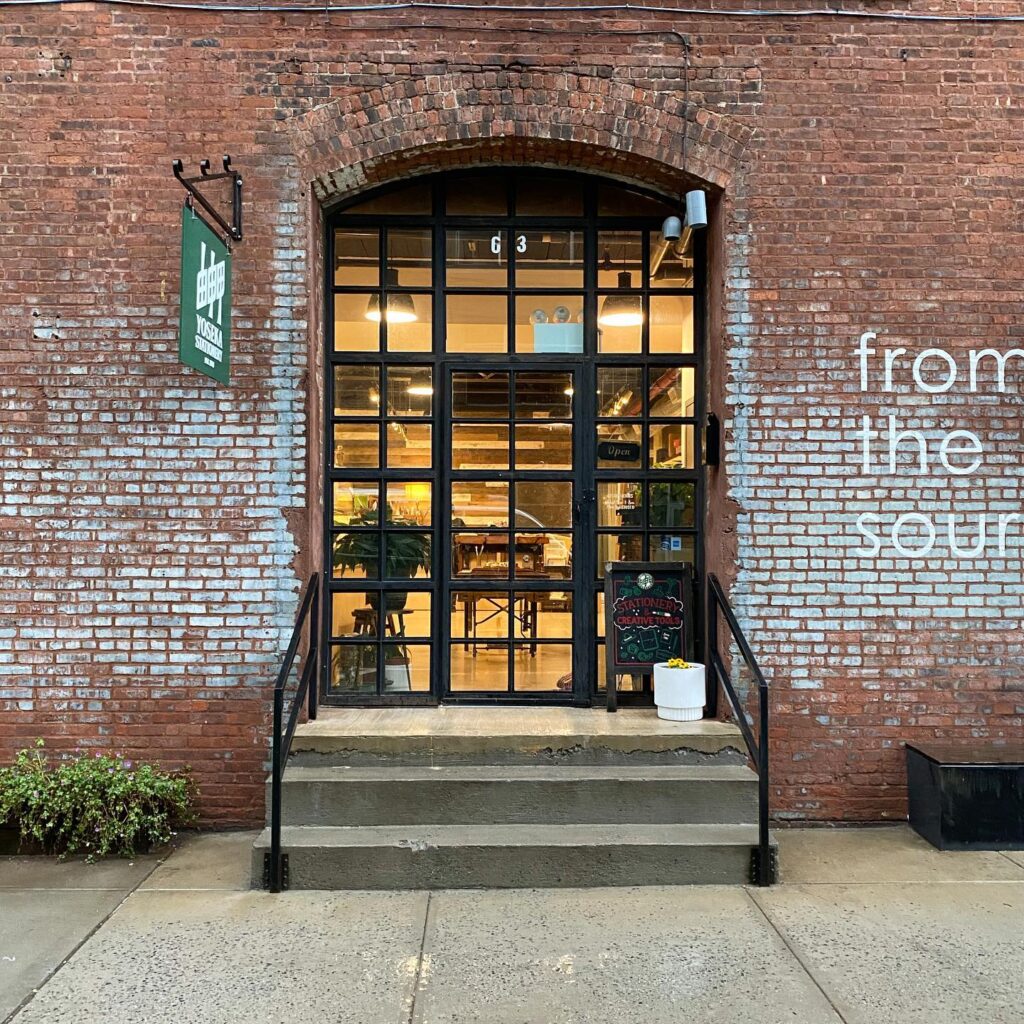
204	334
648	615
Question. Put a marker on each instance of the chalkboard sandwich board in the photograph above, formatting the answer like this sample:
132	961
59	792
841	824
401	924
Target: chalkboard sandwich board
648	609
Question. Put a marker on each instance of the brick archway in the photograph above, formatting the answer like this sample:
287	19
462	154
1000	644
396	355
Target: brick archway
577	121
572	121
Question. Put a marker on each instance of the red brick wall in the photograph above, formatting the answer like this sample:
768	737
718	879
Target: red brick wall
156	530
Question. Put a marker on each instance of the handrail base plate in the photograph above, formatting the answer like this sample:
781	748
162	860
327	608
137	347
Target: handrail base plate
267	871
757	876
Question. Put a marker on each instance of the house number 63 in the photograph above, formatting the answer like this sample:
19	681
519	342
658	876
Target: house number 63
496	244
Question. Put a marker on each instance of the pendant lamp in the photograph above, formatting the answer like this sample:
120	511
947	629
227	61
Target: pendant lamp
400	308
622	310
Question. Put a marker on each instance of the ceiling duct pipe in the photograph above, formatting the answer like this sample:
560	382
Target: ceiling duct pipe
676	234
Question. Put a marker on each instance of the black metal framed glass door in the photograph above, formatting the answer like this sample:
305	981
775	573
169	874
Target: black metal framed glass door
517	627
514	390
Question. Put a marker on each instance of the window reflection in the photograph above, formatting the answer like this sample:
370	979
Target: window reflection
620	391
357	256
353	668
480	503
672	504
356	390
549	259
410	391
544	396
410	256
504	287
543	503
618	547
480	395
476	258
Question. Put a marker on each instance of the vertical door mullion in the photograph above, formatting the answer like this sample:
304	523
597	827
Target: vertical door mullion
584	534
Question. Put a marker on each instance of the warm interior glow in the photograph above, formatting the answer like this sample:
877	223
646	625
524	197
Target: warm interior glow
625	318
622	310
400	309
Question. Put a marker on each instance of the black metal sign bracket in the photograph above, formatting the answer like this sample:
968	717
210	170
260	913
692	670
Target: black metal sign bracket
232	230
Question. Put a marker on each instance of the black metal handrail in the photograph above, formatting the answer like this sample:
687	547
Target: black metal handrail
764	867
309	612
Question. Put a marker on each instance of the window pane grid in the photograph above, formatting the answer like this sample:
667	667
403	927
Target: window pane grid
668	516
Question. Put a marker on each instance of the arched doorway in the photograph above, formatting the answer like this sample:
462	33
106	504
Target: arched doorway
515	373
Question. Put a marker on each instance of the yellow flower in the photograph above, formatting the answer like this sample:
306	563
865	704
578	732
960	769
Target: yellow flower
678	663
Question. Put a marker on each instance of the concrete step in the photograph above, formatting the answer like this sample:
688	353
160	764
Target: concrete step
519	794
511	856
513	735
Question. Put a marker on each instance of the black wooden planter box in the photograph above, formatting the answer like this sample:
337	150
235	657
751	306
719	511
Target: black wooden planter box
967	797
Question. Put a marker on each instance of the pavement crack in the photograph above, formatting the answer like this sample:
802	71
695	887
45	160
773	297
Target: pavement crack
419	960
796	956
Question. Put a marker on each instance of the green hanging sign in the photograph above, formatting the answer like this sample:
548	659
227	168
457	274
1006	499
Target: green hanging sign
204	333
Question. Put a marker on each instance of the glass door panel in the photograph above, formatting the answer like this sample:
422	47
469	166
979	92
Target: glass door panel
512	584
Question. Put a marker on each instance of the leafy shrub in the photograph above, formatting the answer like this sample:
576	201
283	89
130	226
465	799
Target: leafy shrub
96	805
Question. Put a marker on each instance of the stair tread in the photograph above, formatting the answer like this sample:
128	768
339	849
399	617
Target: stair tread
566	835
520	773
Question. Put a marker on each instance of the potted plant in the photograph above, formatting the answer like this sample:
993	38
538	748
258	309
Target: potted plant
679	690
405	553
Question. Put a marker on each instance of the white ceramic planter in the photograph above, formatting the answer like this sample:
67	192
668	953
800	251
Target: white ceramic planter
679	692
396	677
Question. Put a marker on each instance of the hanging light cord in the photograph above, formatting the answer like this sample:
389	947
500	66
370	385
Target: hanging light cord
409	5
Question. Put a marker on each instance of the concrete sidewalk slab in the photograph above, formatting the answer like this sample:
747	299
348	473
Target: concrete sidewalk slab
218	860
578	956
887	854
918	954
217	957
75	873
39	929
1017	856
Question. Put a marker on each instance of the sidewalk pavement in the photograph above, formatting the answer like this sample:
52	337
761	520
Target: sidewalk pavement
869	926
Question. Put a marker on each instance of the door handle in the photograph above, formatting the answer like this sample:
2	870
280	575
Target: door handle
585	498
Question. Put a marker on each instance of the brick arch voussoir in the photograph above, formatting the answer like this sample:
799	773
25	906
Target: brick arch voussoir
562	119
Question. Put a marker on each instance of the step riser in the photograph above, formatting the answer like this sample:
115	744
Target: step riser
418	757
474	867
585	801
